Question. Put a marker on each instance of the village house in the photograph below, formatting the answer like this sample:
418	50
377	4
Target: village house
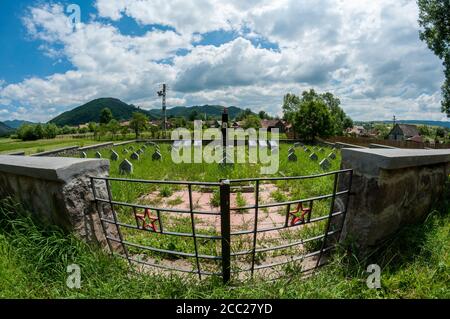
405	132
357	130
281	125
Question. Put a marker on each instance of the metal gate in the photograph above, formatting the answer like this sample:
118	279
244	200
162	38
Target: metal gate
259	235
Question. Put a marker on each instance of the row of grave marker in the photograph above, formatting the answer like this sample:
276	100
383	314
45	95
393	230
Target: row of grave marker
324	164
126	167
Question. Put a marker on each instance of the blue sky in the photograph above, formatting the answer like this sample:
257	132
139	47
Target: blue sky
244	53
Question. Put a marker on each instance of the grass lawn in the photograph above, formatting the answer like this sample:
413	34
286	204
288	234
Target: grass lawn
176	196
33	261
8	145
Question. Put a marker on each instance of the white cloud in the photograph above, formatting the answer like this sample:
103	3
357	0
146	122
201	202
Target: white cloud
366	52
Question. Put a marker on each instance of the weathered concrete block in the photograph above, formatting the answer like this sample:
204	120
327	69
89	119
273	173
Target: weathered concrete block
392	188
58	191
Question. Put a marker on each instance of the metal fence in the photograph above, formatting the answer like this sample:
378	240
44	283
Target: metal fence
151	220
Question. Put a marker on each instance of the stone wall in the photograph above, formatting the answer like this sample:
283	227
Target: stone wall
61	152
391	188
58	191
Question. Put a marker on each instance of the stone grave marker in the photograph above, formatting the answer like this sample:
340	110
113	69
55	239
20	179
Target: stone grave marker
307	150
292	157
140	151
125	167
114	156
98	155
332	155
297	144
313	157
131	148
144	147
291	150
124	151
325	164
83	155
156	156
321	150
134	156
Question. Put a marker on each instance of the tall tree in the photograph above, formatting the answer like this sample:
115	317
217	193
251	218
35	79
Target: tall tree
252	121
138	123
312	119
114	127
338	120
105	116
434	18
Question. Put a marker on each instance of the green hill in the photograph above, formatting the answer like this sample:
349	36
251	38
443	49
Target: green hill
209	110
16	123
5	130
90	112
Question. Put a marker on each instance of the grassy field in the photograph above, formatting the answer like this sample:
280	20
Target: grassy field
164	196
8	145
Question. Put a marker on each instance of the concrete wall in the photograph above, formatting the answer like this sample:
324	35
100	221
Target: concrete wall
57	191
391	188
374	145
346	145
65	151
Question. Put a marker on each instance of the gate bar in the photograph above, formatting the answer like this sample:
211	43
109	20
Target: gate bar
255	228
225	229
330	216
193	232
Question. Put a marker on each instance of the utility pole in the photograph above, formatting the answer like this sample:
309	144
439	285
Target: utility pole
162	93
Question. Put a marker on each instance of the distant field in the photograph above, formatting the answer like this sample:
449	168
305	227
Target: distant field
8	145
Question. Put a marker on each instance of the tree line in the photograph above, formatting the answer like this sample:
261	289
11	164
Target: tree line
311	114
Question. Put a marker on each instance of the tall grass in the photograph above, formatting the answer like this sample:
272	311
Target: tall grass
33	261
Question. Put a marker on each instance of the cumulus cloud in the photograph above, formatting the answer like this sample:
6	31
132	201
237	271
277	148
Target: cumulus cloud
366	52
